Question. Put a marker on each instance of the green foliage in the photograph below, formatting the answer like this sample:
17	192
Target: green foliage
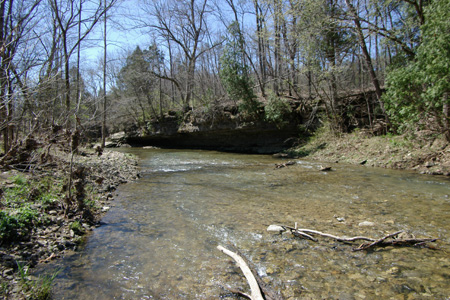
17	224
4	289
19	216
417	92
19	179
234	72
137	83
277	110
16	195
77	228
45	191
8	226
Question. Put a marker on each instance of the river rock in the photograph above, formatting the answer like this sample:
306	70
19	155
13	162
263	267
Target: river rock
393	271
366	224
276	228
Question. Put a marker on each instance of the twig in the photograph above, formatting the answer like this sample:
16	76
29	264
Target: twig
302	234
305	231
383	243
377	242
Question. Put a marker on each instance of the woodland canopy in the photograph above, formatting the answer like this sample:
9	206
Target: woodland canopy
208	52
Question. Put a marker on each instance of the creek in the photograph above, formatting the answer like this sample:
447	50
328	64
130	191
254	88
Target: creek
159	239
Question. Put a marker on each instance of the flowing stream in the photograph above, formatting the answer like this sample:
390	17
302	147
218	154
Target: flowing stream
159	239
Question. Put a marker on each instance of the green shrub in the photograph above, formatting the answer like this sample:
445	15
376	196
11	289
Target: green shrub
234	72
418	93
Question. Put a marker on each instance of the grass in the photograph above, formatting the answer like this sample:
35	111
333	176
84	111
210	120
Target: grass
39	289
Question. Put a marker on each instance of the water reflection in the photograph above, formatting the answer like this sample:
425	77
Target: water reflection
160	239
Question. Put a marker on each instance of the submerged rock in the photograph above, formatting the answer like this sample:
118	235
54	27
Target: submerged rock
367	224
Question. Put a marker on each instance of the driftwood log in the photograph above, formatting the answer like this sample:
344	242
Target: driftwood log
254	287
399	238
259	289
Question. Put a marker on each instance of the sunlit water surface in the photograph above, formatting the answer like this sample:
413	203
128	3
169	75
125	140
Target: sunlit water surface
160	238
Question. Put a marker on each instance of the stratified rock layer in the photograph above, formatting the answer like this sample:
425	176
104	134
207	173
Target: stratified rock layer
224	130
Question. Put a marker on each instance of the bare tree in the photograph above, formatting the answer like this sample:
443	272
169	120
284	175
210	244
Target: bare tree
183	24
15	19
105	44
67	14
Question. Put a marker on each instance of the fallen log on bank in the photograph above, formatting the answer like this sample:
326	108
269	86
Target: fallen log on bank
399	238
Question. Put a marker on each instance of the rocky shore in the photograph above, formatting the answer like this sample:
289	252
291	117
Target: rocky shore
54	229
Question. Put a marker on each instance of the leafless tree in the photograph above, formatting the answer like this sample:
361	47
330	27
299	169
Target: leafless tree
66	14
16	17
183	25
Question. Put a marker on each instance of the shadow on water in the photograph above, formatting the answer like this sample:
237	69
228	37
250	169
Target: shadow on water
159	240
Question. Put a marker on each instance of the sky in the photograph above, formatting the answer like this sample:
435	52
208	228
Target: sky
121	36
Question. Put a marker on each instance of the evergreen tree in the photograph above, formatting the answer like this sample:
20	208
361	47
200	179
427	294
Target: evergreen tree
234	72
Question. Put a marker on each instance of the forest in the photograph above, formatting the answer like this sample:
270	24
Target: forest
204	53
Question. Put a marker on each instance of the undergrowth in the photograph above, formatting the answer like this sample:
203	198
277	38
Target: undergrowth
25	204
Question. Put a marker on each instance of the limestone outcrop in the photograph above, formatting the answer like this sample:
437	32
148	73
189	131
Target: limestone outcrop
223	129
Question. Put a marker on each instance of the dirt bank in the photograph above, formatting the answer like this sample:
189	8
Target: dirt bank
38	226
421	152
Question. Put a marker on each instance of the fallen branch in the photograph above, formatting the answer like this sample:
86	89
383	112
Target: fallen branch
377	242
395	242
254	287
399	238
306	232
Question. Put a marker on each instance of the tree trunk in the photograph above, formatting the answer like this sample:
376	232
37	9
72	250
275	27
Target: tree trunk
261	55
66	80
104	82
446	116
366	55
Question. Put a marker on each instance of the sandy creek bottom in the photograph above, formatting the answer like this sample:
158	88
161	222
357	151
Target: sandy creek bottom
159	240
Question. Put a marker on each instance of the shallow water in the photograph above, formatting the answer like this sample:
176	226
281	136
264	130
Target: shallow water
160	238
